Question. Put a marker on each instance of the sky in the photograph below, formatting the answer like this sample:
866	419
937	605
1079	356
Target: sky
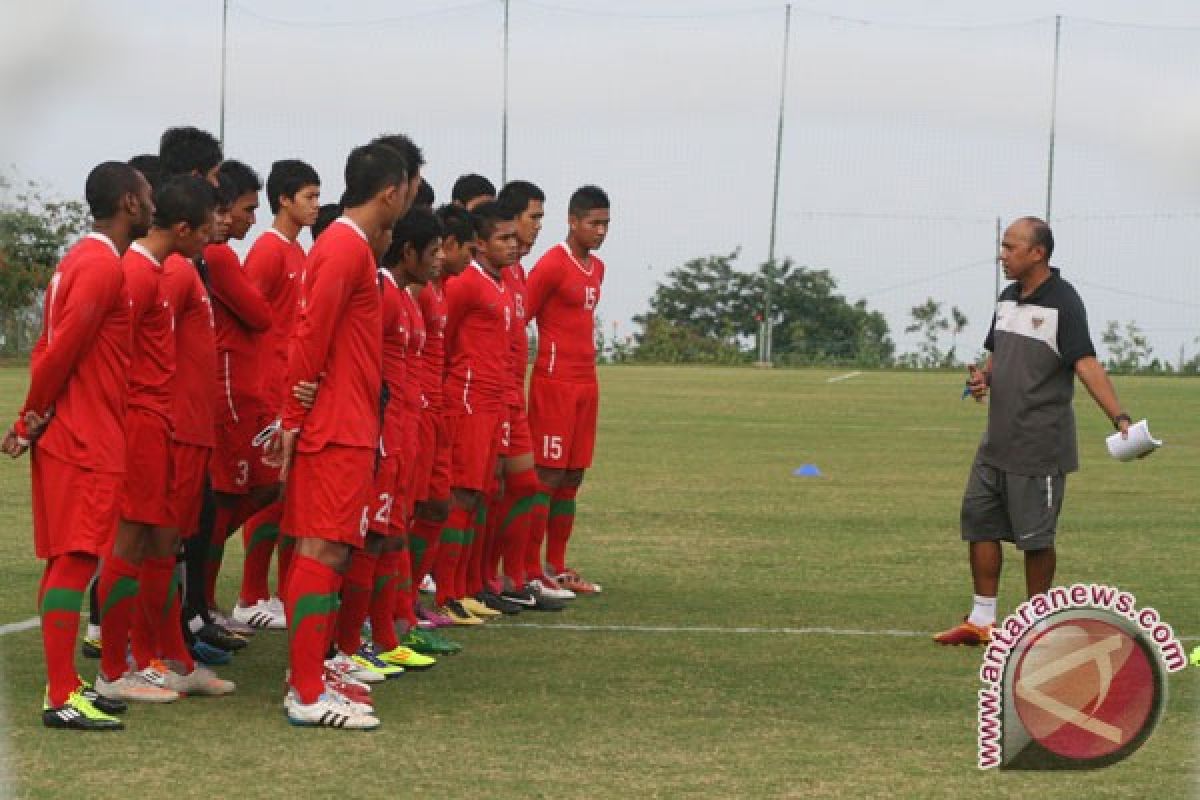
909	127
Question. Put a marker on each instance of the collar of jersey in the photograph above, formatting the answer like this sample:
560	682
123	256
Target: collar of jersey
347	221
585	270
146	254
100	237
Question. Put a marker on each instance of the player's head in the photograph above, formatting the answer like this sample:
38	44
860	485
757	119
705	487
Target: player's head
183	208
528	202
416	246
1027	245
325	217
247	185
458	238
226	195
414	160
472	190
588	217
496	234
149	166
189	151
377	175
116	191
294	191
425	197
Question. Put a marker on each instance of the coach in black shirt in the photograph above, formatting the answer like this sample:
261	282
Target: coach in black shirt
1039	342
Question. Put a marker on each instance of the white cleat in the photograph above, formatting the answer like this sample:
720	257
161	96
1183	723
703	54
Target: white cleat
143	686
200	682
260	616
552	591
343	666
330	711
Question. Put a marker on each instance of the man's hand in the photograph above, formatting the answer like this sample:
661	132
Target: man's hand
977	383
14	446
306	394
279	451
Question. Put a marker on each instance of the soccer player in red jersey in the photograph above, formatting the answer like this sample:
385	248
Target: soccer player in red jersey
431	479
74	418
326	455
147	527
471	191
478	337
564	289
274	266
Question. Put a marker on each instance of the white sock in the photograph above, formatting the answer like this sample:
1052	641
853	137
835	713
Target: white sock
93	631
983	613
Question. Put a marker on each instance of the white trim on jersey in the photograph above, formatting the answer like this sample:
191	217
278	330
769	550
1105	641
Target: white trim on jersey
1033	322
280	234
140	248
229	389
100	237
466	392
347	221
553	357
588	270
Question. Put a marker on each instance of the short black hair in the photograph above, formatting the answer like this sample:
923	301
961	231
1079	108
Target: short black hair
585	199
107	184
150	168
418	227
286	178
456	221
425	197
226	191
183	198
470	186
413	157
1040	234
186	149
370	169
488	216
244	178
517	195
325	217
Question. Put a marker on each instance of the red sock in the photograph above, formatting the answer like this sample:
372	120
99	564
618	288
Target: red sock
222	520
117	592
559	525
406	592
473	584
311	600
284	550
171	641
154	598
450	554
60	599
492	544
260	533
383	601
513	519
356	601
423	543
538	514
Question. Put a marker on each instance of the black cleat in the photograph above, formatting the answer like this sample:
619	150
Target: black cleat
498	603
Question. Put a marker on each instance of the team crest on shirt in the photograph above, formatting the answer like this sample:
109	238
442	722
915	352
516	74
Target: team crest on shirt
1037	322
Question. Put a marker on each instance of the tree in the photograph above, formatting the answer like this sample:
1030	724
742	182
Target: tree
34	233
1129	349
930	321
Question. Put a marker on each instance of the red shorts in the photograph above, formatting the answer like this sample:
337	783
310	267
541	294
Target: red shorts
474	447
431	467
516	440
75	510
562	419
383	498
328	494
237	465
146	497
189	467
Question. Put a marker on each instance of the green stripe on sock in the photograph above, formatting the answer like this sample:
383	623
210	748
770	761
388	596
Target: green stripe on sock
452	536
171	590
62	600
311	604
267	532
561	507
417	548
405	584
468	536
522	506
380	582
541	499
123	589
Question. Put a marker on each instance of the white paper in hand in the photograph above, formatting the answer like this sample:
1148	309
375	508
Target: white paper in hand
1139	443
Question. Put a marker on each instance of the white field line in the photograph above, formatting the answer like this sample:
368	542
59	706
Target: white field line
17	627
845	377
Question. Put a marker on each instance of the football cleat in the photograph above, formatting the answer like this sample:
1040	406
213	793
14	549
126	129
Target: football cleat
549	588
366	658
455	611
572	581
216	635
477	608
105	705
329	711
407	658
430	643
496	603
144	686
200	682
344	667
965	633
523	597
211	656
90	648
260	616
78	714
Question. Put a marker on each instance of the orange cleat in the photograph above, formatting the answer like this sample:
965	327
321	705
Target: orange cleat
965	633
572	581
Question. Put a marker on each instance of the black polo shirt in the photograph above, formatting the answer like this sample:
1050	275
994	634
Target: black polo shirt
1035	343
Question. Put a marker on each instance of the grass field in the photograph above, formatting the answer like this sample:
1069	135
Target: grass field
692	521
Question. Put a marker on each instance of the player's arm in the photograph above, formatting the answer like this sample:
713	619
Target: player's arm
72	330
543	282
308	347
1100	387
264	270
231	286
459	299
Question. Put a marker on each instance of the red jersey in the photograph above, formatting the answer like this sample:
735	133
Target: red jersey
240	314
478	337
80	362
395	361
562	297
414	399
432	301
515	283
339	340
275	267
194	406
152	355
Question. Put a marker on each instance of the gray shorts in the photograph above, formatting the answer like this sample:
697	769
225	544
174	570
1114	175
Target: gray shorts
1022	509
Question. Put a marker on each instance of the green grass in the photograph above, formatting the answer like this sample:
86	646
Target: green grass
691	518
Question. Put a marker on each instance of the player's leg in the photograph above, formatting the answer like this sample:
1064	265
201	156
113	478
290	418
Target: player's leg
1034	504
561	514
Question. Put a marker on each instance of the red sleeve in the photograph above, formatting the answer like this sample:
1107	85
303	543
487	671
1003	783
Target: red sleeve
67	333
308	348
459	299
231	286
543	281
264	267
